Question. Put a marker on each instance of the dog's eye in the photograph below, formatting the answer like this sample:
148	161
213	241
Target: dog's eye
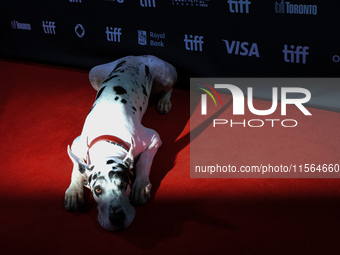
98	190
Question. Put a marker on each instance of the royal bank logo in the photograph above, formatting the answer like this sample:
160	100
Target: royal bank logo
79	30
193	42
242	48
239	6
295	54
49	27
20	26
191	3
142	37
113	34
148	3
151	38
293	8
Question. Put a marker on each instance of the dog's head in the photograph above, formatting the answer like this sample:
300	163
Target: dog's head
110	184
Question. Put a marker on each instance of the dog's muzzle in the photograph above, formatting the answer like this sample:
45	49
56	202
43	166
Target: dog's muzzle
117	217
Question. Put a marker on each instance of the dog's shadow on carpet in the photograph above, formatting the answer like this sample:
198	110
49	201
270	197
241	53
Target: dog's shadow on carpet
157	222
169	127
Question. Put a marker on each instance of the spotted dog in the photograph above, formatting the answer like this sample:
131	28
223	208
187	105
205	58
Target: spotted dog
113	140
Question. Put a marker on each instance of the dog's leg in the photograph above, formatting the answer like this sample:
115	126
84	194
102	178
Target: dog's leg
141	190
164	104
164	77
74	195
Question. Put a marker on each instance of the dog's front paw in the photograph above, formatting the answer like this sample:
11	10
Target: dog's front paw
74	197
164	106
141	192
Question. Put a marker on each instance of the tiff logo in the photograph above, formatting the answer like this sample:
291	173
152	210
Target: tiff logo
239	6
49	27
113	34
193	43
148	3
295	55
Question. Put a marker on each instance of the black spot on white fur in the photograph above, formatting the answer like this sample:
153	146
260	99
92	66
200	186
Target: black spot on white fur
144	90
118	66
119	90
100	92
109	78
147	70
110	161
92	108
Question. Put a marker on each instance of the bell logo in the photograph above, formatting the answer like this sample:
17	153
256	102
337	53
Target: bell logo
79	30
238	100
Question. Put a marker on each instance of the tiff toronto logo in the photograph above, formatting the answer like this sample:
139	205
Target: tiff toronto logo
148	3
193	43
239	6
239	102
113	34
306	9
49	27
22	26
295	55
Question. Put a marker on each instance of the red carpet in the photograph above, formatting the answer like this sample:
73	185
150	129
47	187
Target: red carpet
42	111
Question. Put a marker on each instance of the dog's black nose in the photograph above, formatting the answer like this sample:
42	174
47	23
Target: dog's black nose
117	216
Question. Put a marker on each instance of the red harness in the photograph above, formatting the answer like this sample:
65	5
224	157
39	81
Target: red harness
108	138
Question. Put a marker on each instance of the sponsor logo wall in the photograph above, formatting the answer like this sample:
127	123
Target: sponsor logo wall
243	38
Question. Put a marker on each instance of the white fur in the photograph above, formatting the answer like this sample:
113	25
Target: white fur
111	118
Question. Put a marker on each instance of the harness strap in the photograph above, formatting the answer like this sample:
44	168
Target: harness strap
108	138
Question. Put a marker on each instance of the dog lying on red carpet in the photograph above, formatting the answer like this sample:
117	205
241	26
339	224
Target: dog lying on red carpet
113	140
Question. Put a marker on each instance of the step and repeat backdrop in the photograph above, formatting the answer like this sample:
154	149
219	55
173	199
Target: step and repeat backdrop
202	38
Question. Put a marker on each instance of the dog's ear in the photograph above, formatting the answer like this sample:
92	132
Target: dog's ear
128	160
83	166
